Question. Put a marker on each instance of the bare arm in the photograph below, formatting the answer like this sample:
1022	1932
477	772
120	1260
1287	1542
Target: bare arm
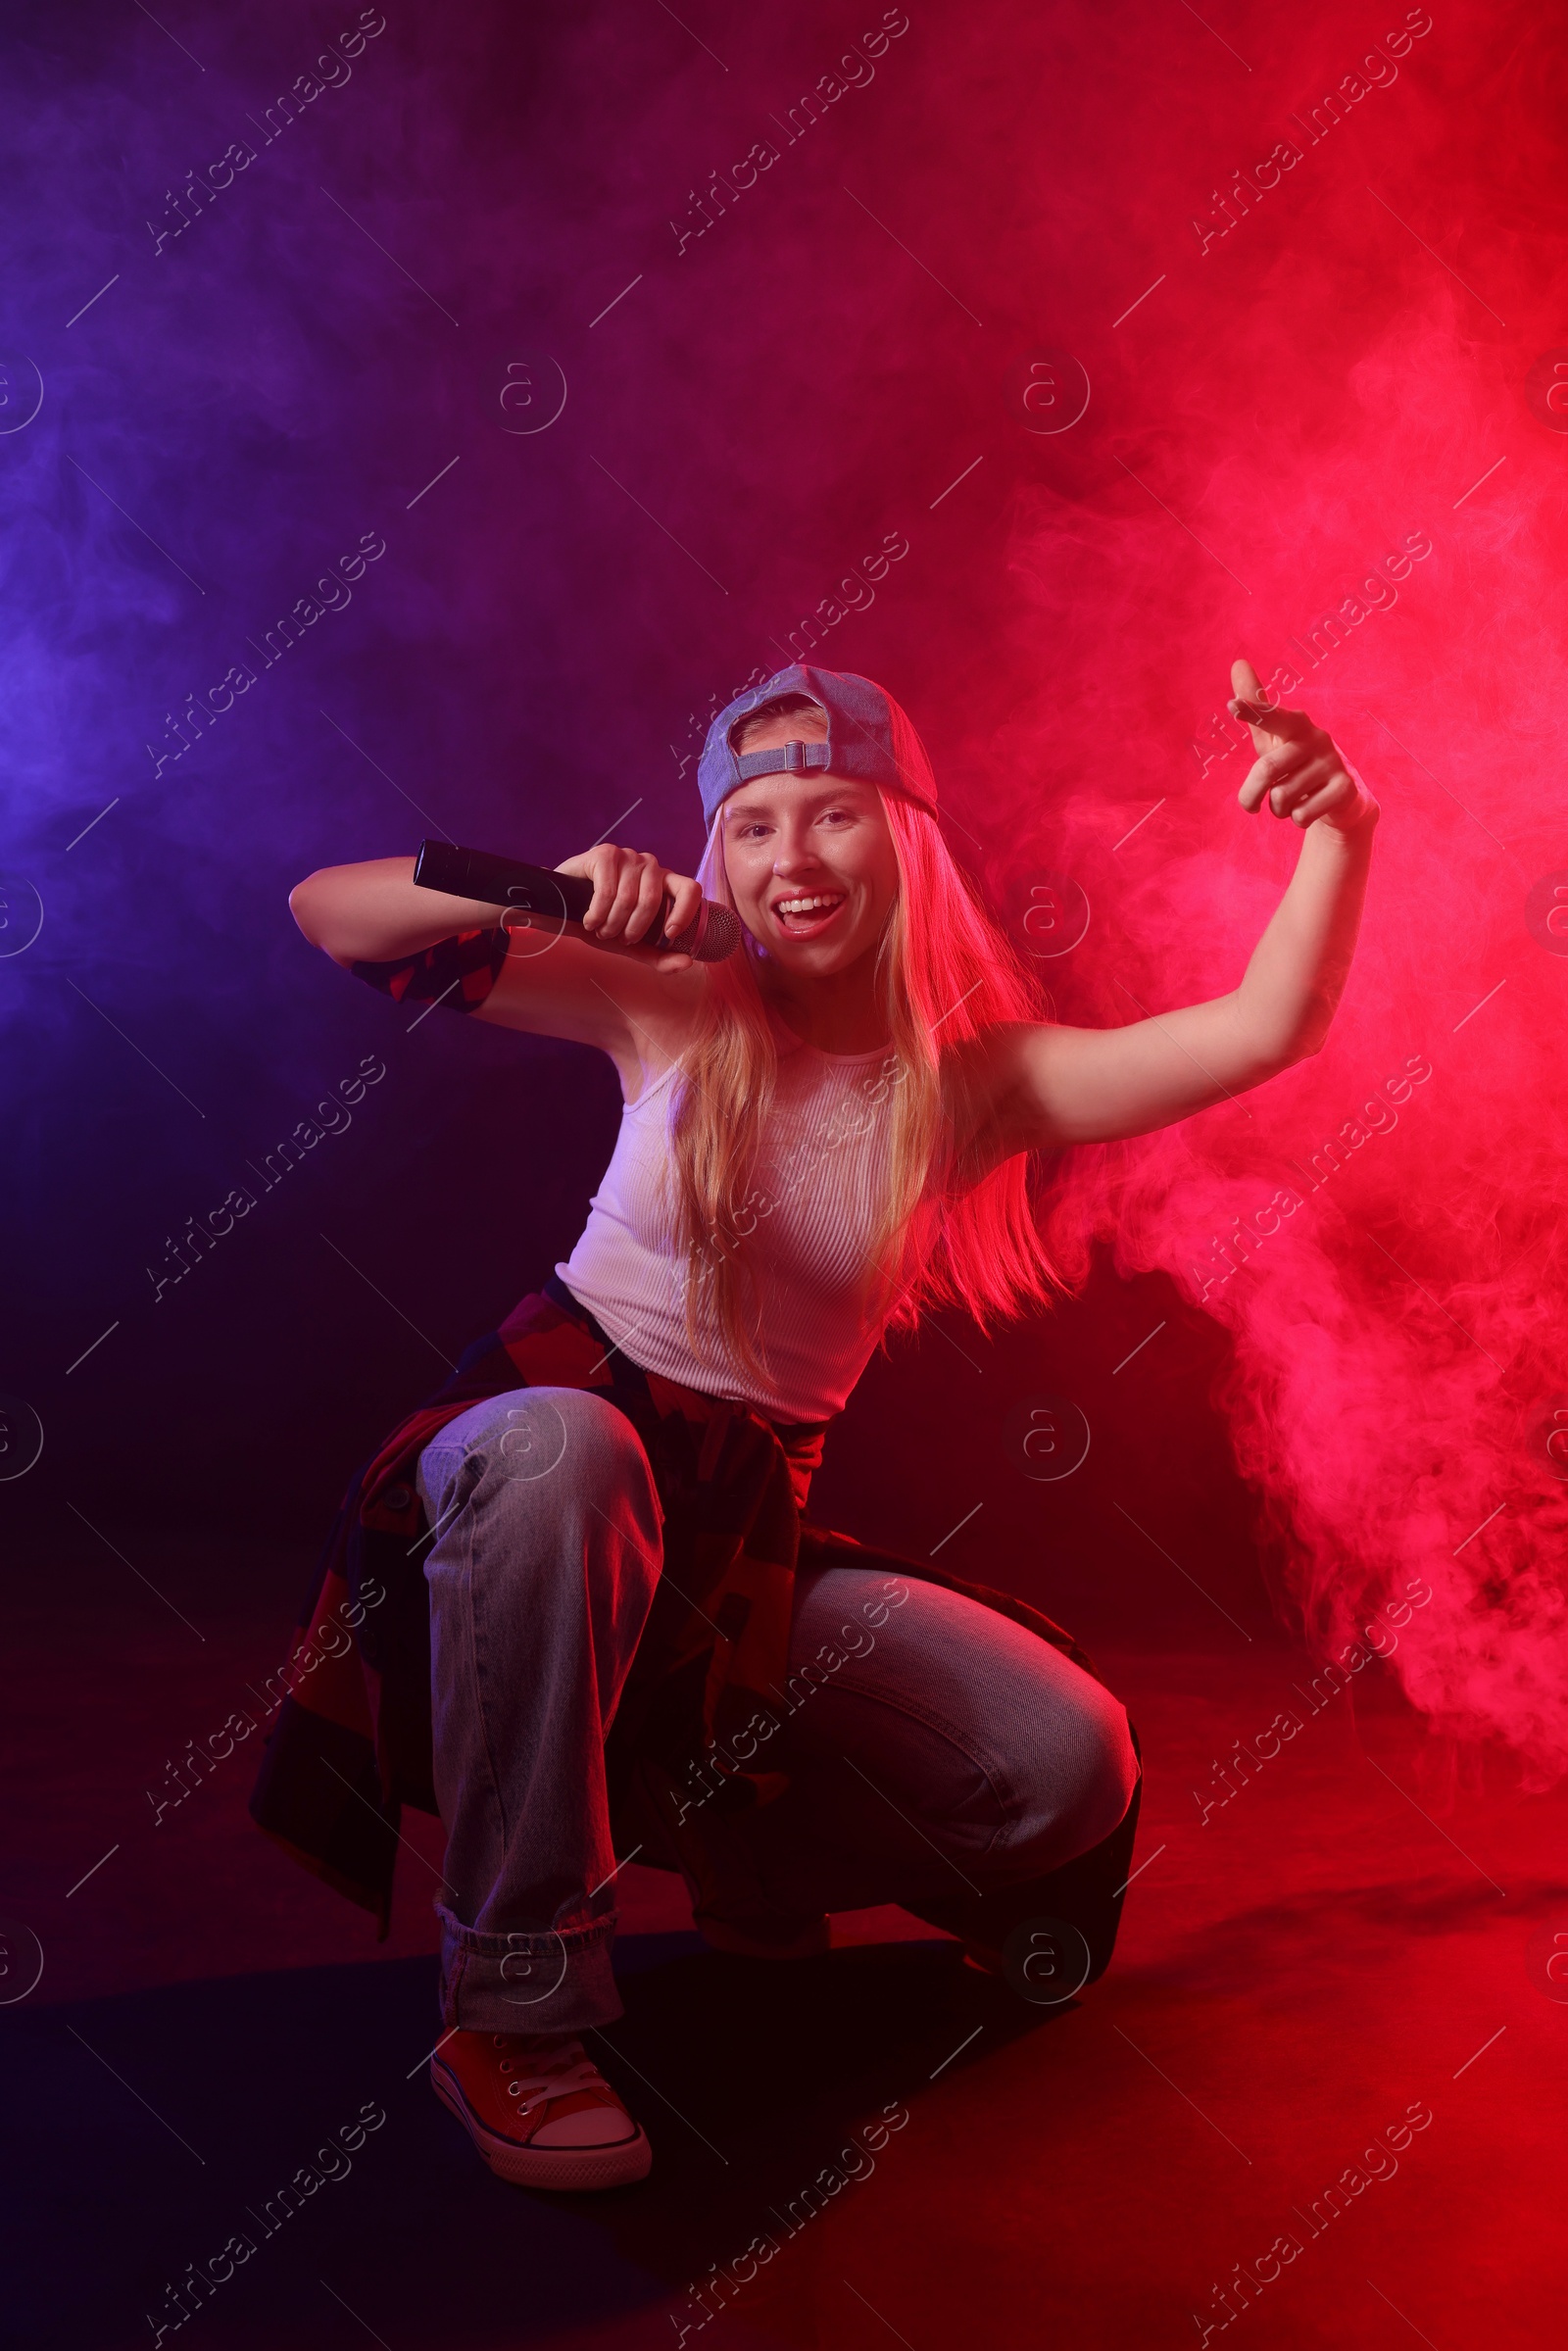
1047	1086
588	983
372	913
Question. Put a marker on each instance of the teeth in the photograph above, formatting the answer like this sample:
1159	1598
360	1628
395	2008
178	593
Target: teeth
804	906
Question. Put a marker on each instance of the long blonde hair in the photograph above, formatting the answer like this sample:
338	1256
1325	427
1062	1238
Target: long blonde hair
944	973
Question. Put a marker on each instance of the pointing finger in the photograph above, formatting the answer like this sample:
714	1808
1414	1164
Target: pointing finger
1246	685
1249	703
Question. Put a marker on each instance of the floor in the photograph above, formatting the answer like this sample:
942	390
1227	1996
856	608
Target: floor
1339	1975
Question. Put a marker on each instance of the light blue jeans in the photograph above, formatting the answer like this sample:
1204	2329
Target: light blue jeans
931	1744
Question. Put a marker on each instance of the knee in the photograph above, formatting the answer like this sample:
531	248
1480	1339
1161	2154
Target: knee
537	1453
1077	1789
1102	1767
541	1436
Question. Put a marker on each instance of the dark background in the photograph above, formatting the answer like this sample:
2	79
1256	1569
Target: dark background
531	655
1279	399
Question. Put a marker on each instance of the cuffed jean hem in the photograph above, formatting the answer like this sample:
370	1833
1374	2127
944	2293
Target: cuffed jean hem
526	1983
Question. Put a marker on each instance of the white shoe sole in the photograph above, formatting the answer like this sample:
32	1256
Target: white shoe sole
565	2168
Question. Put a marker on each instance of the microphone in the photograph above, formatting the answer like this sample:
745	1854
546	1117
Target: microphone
564	897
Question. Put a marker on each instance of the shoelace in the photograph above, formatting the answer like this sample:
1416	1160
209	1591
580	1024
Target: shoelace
572	2070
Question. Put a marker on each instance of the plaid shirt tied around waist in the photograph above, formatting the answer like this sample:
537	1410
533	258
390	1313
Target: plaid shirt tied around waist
351	1743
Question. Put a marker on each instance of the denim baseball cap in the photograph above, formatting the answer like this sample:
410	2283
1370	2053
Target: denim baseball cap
869	739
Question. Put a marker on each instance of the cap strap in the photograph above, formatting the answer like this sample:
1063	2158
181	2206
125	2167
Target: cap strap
788	759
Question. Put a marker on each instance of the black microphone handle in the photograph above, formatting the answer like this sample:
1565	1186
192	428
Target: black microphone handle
533	889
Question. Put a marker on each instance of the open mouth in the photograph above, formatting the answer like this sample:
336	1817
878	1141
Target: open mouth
807	913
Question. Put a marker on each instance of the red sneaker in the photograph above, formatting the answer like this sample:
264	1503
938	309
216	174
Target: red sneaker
539	2109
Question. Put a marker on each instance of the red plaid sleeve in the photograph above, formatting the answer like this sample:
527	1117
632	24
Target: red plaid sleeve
457	972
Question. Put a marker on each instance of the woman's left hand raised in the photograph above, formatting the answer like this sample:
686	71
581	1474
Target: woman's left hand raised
1299	770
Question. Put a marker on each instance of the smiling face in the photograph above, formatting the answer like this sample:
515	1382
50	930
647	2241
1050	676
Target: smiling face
811	859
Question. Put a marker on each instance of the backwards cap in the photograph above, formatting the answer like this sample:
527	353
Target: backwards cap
869	739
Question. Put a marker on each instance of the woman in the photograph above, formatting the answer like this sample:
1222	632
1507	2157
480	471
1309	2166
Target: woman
631	1628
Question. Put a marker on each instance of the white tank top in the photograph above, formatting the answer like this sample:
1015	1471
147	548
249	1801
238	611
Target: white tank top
820	1175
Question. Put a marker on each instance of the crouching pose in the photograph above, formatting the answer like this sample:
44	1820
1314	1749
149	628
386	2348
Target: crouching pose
590	1616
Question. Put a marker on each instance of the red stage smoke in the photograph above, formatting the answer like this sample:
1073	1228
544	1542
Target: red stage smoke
1382	1228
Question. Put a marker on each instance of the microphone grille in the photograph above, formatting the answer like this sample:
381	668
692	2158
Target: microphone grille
715	934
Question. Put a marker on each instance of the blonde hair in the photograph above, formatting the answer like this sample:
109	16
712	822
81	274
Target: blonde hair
944	974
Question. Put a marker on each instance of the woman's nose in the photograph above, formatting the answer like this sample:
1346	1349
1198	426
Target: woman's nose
794	856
